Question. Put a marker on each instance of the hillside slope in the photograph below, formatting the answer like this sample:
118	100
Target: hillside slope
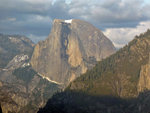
117	84
21	88
75	102
118	74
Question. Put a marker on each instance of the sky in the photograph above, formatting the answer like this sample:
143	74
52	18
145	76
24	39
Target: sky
119	20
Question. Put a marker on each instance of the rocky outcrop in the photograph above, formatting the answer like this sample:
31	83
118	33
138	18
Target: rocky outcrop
144	79
123	74
72	47
12	45
117	84
22	89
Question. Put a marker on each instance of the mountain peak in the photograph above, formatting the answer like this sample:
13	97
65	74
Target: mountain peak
69	21
72	47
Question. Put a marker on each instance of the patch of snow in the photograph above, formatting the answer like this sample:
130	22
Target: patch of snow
20	58
10	38
44	77
68	21
25	65
5	69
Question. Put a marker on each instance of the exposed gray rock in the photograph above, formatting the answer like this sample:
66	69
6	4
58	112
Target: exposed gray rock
22	90
72	47
12	45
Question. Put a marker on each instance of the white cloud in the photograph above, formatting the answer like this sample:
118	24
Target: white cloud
35	16
39	1
121	36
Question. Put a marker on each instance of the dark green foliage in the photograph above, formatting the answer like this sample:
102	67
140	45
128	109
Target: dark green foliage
25	73
41	93
48	89
126	62
0	109
92	92
77	102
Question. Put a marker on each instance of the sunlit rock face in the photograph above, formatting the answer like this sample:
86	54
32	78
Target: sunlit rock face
72	47
144	80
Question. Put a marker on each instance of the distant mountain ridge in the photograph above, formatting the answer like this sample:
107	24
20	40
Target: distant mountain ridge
22	89
72	47
12	45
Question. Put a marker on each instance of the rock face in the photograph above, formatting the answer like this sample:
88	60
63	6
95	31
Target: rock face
123	74
144	79
72	47
22	90
12	45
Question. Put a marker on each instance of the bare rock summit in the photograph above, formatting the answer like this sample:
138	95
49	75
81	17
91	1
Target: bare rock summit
72	47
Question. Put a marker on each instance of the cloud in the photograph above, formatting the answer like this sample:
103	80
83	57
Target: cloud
111	13
35	16
121	36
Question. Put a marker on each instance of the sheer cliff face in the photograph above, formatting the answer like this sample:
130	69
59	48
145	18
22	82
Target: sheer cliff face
21	88
144	79
72	47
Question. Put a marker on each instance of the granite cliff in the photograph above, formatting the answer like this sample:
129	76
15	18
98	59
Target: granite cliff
117	84
28	80
123	74
22	89
144	79
72	47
